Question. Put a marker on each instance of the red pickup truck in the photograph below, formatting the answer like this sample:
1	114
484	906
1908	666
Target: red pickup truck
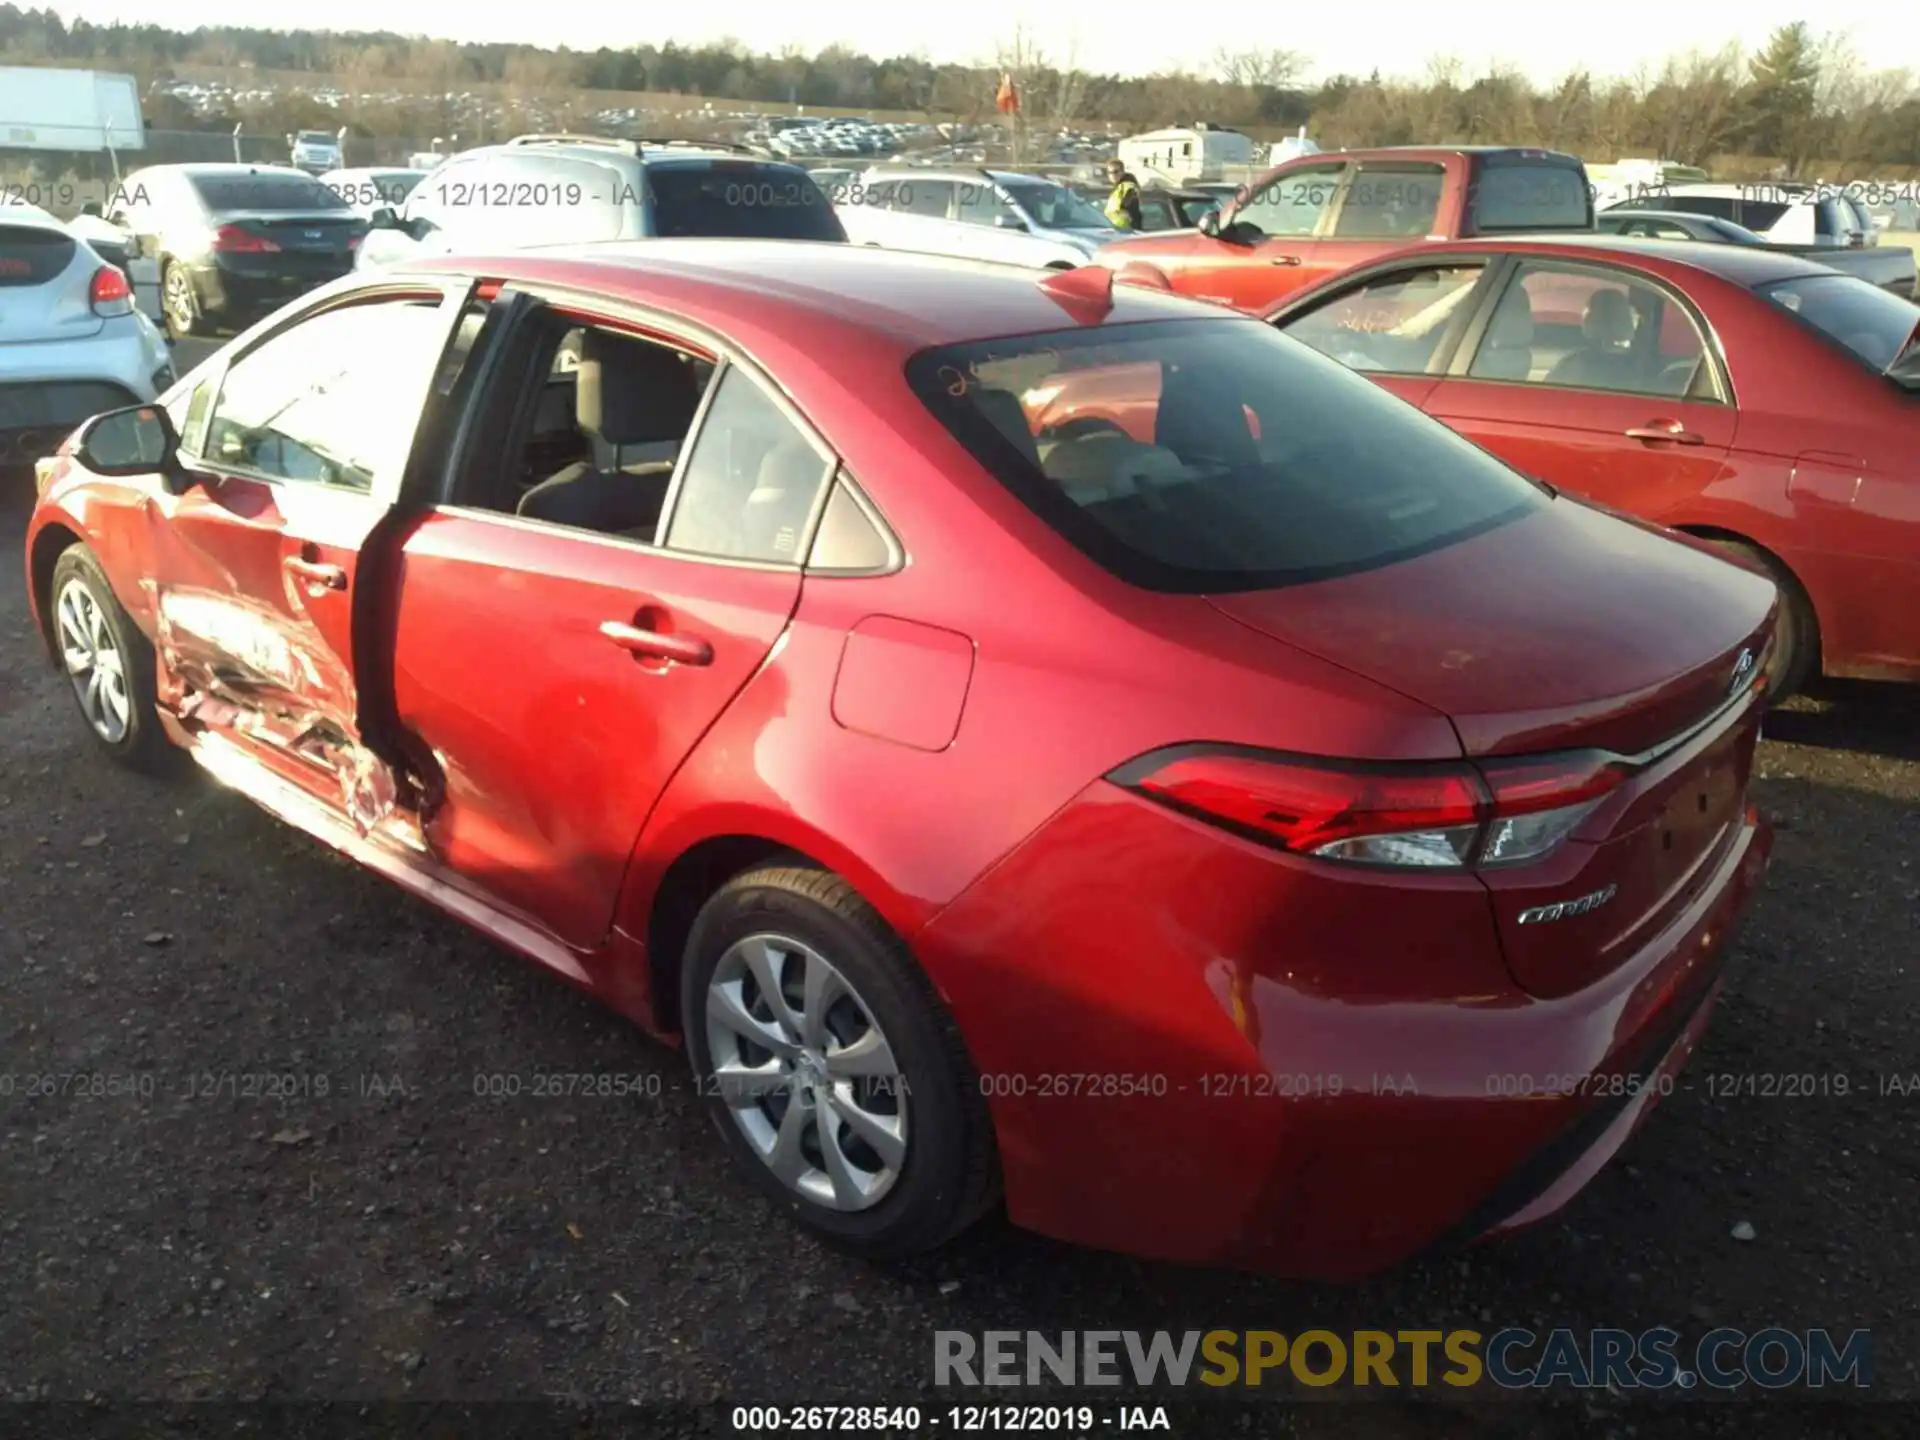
1320	214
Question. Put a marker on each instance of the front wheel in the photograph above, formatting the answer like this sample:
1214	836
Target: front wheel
835	1076
109	663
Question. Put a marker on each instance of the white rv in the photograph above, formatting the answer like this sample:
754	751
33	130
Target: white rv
1176	156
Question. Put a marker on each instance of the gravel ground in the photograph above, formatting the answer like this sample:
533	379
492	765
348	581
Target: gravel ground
403	1238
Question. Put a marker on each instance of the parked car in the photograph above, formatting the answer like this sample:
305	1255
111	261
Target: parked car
975	214
1891	267
316	152
1166	208
558	189
113	245
368	190
72	341
1343	749
1780	212
1755	399
1320	214
234	241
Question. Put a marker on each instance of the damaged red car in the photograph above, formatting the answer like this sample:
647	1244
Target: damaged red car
1261	830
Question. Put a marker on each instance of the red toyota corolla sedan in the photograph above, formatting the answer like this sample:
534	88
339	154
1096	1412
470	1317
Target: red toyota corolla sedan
1291	840
1756	399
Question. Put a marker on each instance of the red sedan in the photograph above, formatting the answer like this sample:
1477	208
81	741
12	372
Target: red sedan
1757	400
1286	849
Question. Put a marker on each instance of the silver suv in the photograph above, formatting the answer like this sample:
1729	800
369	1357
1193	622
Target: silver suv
568	189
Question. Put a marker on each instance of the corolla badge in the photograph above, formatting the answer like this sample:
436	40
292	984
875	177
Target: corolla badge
1566	909
1742	672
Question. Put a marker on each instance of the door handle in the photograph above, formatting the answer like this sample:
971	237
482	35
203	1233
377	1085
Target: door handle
1283	259
1672	431
331	577
680	649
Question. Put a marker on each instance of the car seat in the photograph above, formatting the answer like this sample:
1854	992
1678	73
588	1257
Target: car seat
626	392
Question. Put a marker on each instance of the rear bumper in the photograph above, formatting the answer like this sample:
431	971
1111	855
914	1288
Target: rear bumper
50	388
1314	1115
231	291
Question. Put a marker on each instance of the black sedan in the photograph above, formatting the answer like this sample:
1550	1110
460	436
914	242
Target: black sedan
234	242
1675	225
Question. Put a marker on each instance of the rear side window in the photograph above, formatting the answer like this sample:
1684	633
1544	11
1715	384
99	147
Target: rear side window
1718	207
1507	196
32	254
1761	215
724	198
1873	323
1213	455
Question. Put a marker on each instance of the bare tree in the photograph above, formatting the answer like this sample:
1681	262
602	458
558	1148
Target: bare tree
1259	69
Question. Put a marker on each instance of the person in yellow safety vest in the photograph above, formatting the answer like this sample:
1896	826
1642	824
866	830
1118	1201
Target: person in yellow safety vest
1123	205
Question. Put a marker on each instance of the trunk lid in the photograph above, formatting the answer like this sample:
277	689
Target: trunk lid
1554	632
1568	631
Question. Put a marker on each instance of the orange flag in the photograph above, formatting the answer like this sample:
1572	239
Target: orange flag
1007	99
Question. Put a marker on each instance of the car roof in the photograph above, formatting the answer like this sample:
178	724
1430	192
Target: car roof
817	290
19	212
223	168
1744	265
1414	151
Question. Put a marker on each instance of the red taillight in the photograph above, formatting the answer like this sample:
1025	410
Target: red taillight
1450	816
234	240
109	293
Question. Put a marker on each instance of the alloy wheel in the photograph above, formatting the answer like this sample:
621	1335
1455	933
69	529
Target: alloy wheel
806	1072
94	663
179	299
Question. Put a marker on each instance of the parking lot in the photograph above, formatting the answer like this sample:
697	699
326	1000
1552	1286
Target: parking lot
394	1231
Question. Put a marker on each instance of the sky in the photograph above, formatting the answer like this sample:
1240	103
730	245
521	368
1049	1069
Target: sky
1543	41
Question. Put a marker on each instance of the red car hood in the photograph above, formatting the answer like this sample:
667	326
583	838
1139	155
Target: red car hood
1565	629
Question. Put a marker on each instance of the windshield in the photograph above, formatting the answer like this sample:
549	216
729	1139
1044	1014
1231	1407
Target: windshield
266	190
1874	324
1054	207
740	199
315	137
1213	455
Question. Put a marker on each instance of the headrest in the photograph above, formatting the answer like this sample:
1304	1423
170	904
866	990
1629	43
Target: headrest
629	392
1003	409
1512	327
1608	319
787	471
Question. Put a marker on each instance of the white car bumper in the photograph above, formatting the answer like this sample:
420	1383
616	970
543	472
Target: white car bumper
50	387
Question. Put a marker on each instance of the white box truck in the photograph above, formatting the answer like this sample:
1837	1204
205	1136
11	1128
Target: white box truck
45	108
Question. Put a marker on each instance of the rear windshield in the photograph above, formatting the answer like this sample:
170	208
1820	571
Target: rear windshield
1054	207
732	199
1214	454
32	254
264	192
1874	324
1513	195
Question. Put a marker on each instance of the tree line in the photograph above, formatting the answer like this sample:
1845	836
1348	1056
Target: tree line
1805	103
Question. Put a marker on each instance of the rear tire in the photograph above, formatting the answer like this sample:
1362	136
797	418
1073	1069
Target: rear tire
1796	635
181	303
863	1116
108	663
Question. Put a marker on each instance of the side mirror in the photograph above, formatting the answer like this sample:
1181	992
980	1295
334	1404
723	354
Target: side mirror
1210	224
384	218
138	440
92	207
